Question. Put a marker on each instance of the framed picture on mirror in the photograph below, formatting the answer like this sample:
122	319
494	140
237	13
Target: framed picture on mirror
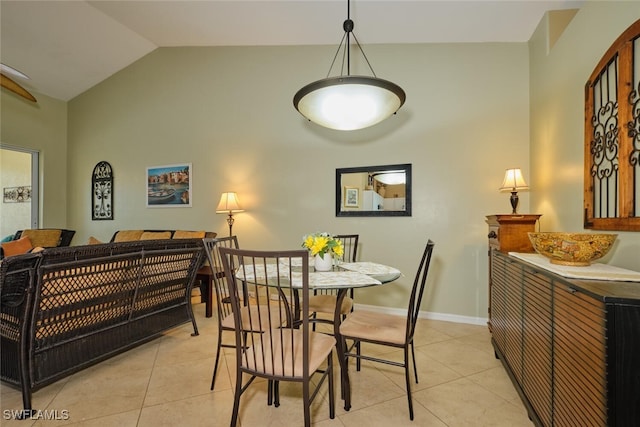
351	197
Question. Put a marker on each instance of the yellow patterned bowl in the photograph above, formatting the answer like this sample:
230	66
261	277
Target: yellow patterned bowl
576	249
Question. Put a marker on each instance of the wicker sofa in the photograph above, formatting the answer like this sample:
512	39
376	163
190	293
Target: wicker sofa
64	309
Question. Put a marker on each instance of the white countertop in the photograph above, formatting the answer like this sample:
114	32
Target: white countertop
595	271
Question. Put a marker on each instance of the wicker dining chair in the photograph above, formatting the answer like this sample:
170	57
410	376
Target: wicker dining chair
287	349
390	330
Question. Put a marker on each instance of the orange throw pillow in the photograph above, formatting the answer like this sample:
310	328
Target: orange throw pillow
17	247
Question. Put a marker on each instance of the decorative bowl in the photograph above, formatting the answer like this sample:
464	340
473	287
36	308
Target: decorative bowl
575	249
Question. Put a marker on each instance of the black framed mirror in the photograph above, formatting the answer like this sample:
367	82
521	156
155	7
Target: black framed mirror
374	191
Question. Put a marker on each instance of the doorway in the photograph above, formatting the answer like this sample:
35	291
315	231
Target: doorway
20	191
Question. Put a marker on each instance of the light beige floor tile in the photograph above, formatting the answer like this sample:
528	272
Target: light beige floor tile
460	357
213	409
497	381
394	412
453	329
100	392
179	381
166	382
464	403
430	371
124	419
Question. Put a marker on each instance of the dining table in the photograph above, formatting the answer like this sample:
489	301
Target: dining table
342	277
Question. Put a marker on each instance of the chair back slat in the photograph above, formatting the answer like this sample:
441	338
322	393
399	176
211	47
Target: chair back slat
418	289
223	300
350	245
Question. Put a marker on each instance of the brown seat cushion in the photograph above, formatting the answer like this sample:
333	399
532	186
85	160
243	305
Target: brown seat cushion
381	327
128	235
182	234
155	235
44	238
17	247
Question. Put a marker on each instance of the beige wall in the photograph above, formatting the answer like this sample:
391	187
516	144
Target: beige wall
557	117
40	127
228	111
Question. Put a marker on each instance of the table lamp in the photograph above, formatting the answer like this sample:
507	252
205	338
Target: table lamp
514	182
229	204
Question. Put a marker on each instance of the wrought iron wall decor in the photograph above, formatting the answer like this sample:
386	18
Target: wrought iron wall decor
17	194
612	138
102	192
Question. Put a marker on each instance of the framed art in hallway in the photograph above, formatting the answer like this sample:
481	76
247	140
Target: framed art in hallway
169	186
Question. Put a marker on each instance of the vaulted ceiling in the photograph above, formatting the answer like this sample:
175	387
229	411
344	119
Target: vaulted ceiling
66	47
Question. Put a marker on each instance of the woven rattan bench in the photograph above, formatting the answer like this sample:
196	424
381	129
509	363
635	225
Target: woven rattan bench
65	309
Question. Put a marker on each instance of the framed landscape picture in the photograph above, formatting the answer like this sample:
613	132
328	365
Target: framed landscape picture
350	197
169	186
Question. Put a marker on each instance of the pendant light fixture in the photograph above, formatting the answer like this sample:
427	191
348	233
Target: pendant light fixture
349	102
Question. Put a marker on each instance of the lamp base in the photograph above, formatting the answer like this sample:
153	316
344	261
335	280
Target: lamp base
230	222
514	201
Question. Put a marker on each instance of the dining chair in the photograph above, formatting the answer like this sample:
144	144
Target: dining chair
287	349
390	330
323	301
223	300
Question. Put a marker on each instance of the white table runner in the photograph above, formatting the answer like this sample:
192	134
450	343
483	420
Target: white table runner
596	271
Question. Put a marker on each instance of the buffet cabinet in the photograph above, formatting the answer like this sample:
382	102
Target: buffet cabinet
571	347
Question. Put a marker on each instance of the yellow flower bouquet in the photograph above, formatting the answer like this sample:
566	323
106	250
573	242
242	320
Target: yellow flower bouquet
323	243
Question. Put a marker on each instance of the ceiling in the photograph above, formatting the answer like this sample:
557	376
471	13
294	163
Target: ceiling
66	47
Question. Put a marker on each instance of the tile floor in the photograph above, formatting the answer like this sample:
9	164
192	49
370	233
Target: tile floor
166	383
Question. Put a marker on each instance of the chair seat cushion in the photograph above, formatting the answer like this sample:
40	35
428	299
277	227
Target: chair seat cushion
378	327
269	359
327	304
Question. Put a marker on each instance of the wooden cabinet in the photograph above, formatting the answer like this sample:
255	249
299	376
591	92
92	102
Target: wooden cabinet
508	233
571	347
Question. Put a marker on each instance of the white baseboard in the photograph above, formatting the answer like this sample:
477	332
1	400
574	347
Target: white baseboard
426	315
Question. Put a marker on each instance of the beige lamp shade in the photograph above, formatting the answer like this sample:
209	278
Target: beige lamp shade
229	203
513	181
